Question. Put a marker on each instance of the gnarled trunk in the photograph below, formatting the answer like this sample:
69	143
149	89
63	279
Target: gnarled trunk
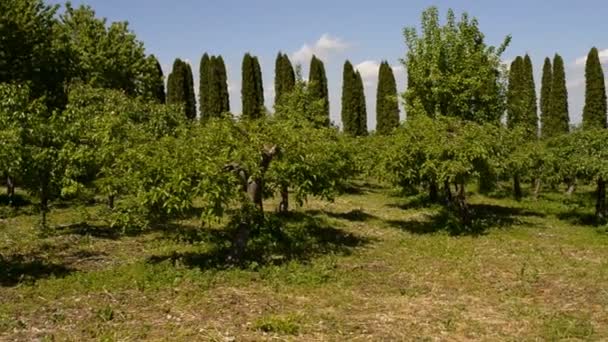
254	187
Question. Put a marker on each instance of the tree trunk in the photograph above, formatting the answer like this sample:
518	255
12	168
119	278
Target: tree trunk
255	191
537	187
284	205
571	187
111	201
10	190
600	204
44	205
448	192
433	192
517	188
461	203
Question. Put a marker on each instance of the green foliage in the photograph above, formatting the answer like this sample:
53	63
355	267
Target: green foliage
33	50
594	111
451	70
203	90
106	56
557	120
354	115
155	83
317	81
387	102
252	91
180	88
213	87
521	97
545	95
284	79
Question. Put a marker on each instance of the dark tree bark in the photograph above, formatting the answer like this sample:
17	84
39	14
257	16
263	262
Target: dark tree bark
517	188
433	192
284	205
464	211
600	204
448	192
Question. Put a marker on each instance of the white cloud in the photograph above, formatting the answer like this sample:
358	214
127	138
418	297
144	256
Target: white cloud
603	58
368	71
323	49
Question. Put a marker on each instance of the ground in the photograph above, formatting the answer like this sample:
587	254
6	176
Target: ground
372	265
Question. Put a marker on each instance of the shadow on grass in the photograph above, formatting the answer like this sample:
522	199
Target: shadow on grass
18	200
485	216
576	217
86	229
18	269
356	215
287	237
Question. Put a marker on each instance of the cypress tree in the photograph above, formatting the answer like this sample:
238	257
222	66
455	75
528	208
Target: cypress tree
203	90
515	93
361	108
317	81
157	83
349	103
259	86
252	92
190	103
387	106
594	116
557	122
545	95
531	107
176	85
594	111
214	100
284	80
223	85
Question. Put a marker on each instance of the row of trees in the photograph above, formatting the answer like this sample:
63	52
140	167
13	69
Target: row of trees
214	97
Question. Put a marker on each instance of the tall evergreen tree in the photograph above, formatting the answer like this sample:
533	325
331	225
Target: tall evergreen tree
387	105
354	114
545	95
252	92
531	106
594	111
176	84
515	93
157	82
190	104
214	100
361	109
181	88
223	85
203	88
558	120
285	79
350	121
317	81
594	116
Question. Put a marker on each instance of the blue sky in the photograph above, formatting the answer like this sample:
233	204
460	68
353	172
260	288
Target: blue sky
362	31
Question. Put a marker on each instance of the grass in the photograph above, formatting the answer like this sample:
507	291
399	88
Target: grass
371	265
